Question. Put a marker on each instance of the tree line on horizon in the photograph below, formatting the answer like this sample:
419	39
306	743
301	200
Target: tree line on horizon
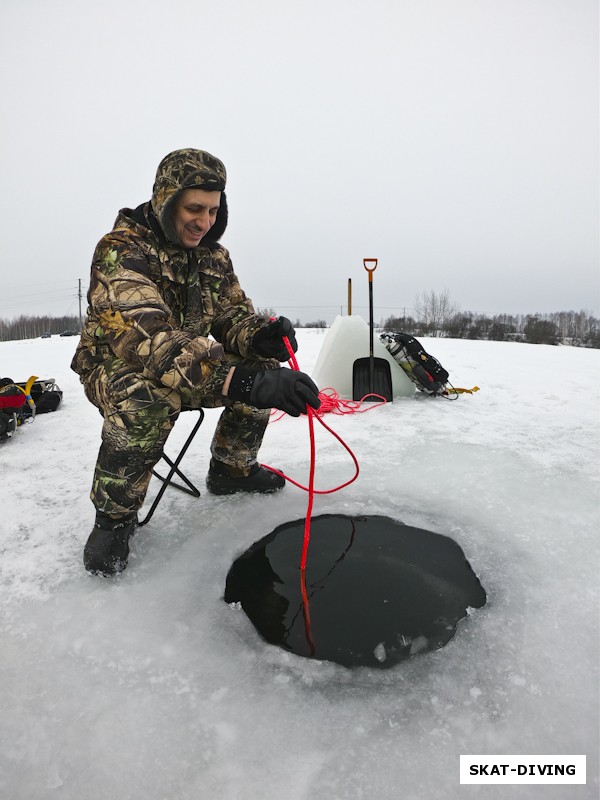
30	327
437	315
575	328
434	315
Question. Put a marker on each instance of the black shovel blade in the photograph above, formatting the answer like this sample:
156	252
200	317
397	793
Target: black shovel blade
361	379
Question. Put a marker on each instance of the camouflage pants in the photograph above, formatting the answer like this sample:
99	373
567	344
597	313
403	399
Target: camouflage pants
139	416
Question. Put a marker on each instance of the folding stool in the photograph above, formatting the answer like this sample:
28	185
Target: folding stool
189	487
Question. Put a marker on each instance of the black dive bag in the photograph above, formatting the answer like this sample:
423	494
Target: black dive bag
423	369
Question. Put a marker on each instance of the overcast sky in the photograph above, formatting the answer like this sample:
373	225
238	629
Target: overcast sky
454	140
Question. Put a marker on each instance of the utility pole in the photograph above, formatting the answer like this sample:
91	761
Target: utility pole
79	295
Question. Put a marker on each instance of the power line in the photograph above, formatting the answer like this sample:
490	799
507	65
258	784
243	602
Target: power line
44	298
10	298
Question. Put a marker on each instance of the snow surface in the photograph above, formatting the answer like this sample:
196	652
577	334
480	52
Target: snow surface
150	686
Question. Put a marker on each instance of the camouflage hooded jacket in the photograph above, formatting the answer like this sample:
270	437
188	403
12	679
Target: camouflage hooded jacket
153	303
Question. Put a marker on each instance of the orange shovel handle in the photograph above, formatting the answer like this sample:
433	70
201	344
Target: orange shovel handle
372	269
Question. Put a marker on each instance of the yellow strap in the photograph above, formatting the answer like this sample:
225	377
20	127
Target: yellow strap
27	391
456	390
30	383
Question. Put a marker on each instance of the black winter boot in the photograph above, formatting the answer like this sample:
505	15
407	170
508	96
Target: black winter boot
222	479
107	549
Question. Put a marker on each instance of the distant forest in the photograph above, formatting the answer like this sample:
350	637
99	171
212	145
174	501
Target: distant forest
436	315
576	328
25	327
433	315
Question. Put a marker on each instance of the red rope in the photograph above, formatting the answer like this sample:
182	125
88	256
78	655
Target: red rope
330	403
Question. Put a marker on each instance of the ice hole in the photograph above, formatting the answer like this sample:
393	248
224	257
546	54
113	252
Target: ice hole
374	593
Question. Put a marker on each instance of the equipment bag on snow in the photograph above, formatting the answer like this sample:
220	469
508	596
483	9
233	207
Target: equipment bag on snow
46	395
423	369
13	402
19	402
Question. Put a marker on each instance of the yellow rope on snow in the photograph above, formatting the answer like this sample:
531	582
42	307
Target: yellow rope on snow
456	390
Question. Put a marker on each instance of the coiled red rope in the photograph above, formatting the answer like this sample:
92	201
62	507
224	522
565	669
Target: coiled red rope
330	403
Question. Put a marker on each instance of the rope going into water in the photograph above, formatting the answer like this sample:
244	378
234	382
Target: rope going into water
330	403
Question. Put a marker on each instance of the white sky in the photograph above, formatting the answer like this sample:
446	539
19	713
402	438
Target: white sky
455	141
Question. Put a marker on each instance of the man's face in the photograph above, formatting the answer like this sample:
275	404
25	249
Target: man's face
194	215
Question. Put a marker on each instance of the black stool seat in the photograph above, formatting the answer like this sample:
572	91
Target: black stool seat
189	487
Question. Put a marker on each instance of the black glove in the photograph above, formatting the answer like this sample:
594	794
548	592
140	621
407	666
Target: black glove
268	341
282	388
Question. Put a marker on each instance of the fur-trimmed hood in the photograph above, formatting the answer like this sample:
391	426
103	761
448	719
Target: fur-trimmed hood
188	169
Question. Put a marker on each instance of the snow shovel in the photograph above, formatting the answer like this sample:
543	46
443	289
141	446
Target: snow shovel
371	375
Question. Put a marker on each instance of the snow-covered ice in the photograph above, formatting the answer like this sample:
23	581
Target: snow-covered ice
150	686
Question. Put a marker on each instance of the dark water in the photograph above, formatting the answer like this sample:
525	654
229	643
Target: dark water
375	591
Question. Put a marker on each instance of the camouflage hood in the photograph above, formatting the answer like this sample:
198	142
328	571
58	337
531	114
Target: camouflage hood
188	169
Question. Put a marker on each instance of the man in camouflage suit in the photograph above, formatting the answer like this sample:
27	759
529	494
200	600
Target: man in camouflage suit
160	285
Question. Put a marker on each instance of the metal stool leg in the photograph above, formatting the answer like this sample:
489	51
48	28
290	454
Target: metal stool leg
168	481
